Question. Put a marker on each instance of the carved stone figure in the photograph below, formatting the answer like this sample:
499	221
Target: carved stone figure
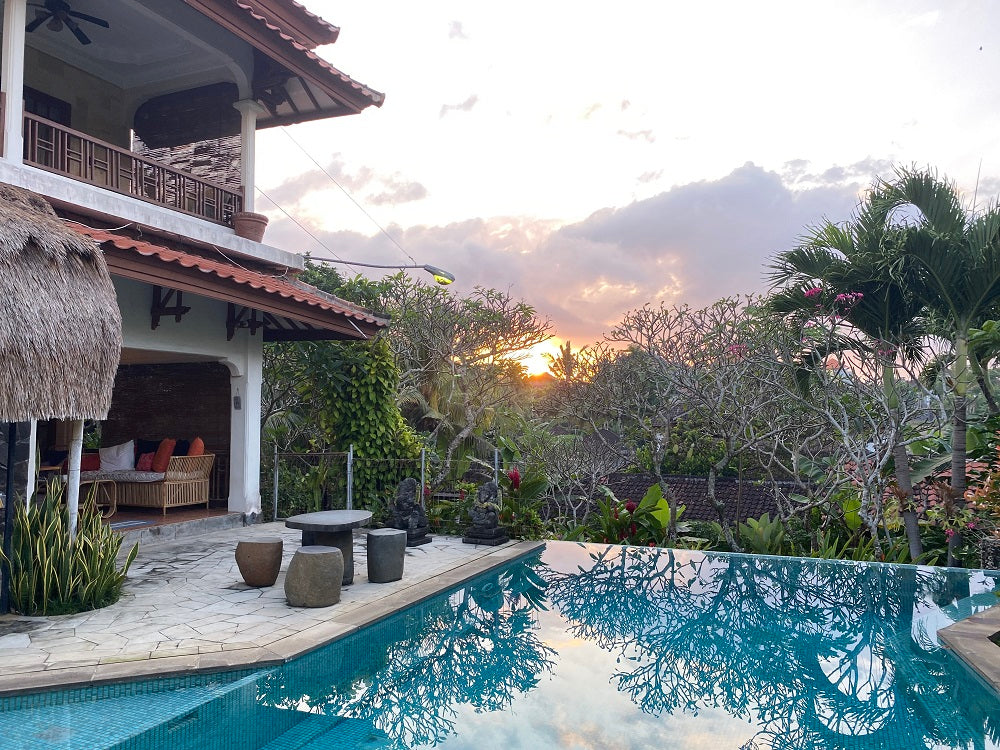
485	517
408	514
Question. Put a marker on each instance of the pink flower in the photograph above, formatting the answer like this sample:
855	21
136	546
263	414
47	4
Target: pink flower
970	525
630	506
949	533
813	292
515	478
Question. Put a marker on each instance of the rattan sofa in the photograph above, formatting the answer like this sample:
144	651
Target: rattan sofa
185	482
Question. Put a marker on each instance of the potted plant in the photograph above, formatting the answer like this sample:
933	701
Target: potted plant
249	225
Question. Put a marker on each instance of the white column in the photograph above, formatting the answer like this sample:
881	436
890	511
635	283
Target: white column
249	110
32	461
73	478
15	13
244	431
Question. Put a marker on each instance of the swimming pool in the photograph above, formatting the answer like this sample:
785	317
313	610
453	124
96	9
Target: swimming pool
587	646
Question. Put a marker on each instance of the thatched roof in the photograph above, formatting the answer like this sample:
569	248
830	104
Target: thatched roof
60	328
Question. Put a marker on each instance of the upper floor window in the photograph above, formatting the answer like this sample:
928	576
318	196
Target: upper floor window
44	105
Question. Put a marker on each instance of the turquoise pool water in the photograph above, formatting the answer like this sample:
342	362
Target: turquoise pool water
587	646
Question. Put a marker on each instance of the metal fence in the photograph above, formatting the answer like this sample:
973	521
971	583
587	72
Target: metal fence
306	482
302	482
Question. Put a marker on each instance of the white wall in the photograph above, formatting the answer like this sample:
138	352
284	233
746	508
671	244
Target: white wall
202	332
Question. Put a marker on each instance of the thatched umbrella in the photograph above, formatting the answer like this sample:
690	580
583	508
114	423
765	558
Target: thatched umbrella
60	331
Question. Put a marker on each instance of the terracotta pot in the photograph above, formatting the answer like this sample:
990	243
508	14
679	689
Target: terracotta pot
250	225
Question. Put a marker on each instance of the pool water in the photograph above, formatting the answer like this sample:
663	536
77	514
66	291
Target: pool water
588	646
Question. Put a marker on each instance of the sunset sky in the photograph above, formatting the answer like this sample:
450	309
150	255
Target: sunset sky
591	158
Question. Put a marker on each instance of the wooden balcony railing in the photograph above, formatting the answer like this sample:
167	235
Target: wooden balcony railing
58	149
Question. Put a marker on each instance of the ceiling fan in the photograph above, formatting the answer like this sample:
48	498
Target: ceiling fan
58	14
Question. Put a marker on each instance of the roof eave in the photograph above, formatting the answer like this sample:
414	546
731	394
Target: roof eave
255	29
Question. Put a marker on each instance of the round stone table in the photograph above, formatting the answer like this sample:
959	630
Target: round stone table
332	528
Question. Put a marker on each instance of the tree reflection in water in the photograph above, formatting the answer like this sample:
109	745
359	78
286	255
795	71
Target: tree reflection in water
478	647
816	654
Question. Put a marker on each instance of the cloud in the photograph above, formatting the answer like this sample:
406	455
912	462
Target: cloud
650	176
465	106
397	192
691	244
363	183
292	190
799	173
456	31
633	135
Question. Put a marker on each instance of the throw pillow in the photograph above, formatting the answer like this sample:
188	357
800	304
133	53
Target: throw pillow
145	462
145	446
197	447
118	457
163	454
90	462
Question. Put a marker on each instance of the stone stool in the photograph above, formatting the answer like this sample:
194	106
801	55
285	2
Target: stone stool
386	548
314	577
259	560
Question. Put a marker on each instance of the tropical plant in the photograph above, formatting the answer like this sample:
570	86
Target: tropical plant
53	574
521	502
853	261
956	254
352	388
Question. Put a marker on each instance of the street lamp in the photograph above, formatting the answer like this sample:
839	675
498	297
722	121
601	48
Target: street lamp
441	276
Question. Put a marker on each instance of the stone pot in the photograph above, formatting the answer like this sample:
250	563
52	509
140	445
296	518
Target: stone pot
259	560
250	225
314	576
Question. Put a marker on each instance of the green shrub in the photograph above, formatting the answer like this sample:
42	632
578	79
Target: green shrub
52	576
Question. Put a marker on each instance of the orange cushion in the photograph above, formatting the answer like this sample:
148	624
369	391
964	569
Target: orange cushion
197	447
163	454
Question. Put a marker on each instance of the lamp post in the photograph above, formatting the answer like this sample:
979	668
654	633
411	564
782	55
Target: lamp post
441	276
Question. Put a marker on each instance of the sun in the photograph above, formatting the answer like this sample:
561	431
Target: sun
535	362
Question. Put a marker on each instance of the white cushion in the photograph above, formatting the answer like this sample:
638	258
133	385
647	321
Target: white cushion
118	457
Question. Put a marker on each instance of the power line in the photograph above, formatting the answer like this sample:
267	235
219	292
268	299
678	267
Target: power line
299	224
349	196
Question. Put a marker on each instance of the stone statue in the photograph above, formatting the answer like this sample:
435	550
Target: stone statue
485	517
408	514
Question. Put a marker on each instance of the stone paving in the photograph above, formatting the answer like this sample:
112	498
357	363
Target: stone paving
185	608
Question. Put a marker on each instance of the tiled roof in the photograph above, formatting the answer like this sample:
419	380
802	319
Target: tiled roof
751	501
302	50
320	29
284	287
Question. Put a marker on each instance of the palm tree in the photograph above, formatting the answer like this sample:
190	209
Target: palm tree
856	257
956	253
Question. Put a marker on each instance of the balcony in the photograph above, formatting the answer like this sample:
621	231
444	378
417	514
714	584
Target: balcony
58	149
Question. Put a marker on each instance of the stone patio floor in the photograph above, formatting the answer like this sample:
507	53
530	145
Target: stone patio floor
185	608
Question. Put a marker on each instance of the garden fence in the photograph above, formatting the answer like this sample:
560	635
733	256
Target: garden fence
305	482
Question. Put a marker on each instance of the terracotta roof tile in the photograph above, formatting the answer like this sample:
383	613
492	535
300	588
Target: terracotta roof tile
287	288
376	97
752	500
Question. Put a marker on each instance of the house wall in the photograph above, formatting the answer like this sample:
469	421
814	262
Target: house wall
202	333
180	400
98	108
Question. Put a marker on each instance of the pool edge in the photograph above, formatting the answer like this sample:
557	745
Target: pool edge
971	642
275	653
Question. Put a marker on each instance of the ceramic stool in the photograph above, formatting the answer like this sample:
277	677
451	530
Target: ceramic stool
314	577
259	560
386	548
